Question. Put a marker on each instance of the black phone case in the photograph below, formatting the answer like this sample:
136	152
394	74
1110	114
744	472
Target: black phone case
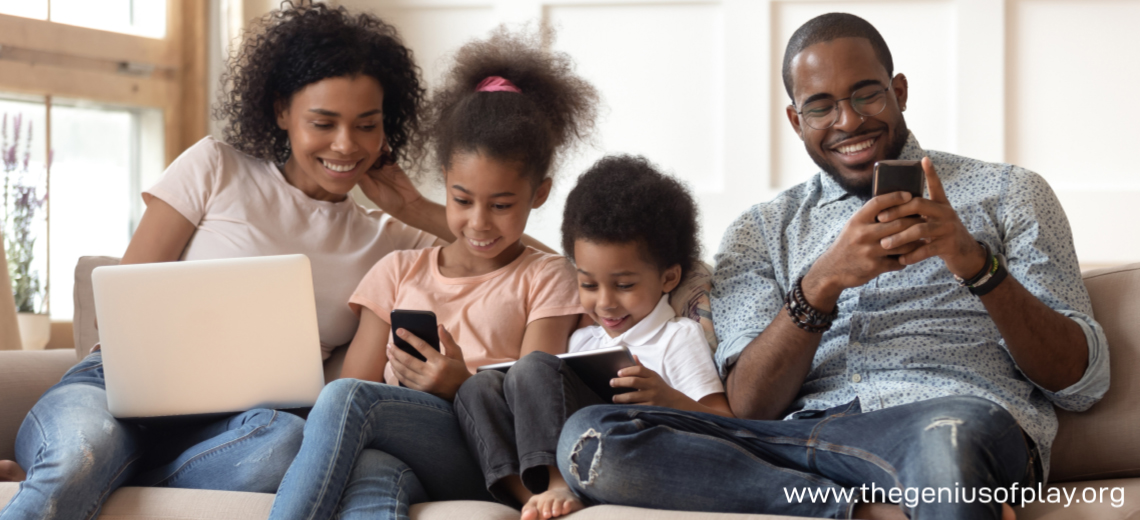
420	323
891	176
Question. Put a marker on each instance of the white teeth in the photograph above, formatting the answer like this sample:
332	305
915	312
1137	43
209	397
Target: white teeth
857	147
477	243
340	169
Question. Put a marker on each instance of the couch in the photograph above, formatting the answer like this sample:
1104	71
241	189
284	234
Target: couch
1096	450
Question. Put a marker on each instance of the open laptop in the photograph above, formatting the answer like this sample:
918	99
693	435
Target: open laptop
209	336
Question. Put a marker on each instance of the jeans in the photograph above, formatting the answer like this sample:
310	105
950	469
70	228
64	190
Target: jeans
512	421
656	457
371	450
76	453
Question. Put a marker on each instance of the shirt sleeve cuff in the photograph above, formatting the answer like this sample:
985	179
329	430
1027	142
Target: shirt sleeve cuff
729	351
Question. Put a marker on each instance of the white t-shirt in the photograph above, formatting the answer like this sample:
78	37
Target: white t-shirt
672	346
242	207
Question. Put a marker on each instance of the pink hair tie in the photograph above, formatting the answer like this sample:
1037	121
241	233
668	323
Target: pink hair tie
497	84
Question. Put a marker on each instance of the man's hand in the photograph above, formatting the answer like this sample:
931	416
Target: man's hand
441	375
651	389
942	234
858	255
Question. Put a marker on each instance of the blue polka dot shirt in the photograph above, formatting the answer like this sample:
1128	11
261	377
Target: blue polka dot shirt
913	334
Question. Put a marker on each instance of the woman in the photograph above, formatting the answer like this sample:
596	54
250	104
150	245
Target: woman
319	101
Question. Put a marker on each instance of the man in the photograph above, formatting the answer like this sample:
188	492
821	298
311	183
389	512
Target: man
915	346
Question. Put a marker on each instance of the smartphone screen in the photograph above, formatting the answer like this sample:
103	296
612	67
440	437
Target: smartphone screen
893	176
420	323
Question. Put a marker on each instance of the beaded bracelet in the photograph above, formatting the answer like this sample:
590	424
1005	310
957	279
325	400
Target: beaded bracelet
803	314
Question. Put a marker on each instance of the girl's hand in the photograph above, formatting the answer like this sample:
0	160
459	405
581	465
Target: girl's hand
651	389
441	375
389	187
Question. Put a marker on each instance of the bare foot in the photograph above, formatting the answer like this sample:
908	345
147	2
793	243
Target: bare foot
11	472
552	503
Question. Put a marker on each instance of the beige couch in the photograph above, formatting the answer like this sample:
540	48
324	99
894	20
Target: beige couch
1099	449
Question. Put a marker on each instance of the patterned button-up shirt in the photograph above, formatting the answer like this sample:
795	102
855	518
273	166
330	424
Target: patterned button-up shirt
913	334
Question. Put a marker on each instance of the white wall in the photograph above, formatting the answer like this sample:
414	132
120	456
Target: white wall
695	86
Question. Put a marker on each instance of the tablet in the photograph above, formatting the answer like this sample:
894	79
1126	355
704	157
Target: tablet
595	367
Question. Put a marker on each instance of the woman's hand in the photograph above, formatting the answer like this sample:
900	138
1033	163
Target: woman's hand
389	187
651	389
440	375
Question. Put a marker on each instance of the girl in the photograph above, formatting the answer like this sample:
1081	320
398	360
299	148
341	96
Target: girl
632	233
319	101
505	113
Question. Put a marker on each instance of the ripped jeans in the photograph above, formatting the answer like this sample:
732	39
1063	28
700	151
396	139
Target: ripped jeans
661	458
76	454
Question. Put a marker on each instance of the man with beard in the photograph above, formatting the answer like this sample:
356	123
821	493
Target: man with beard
914	346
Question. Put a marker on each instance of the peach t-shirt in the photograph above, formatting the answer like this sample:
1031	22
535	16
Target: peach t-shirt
486	314
242	206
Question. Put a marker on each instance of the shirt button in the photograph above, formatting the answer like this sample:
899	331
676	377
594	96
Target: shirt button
856	378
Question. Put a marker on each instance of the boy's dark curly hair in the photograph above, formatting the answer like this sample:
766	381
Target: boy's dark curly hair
622	199
298	45
555	109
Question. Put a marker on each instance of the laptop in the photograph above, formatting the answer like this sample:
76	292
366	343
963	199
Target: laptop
208	336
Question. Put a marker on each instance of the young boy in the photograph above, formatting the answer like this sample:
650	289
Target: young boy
632	234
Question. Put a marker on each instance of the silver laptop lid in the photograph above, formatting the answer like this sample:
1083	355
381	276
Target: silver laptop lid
208	336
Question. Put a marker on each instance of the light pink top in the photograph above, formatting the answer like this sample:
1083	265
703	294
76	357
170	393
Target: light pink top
242	206
487	314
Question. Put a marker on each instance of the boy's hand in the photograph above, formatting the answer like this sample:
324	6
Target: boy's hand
651	389
441	375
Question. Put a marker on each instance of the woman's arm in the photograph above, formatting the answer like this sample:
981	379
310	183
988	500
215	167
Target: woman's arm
550	335
162	235
366	355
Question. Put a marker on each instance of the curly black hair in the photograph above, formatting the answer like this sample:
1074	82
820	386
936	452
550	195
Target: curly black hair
555	110
622	199
298	45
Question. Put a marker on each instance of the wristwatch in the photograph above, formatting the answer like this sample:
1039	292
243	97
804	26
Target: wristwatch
989	277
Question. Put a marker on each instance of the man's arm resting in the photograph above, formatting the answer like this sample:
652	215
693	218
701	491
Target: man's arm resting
1049	347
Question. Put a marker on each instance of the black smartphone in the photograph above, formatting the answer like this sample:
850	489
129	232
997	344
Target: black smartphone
420	323
898	176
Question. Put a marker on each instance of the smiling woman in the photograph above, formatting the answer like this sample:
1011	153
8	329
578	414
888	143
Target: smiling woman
318	101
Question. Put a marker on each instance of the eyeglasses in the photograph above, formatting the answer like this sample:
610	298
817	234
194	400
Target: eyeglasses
824	113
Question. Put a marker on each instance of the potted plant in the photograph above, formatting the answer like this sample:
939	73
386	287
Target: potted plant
22	201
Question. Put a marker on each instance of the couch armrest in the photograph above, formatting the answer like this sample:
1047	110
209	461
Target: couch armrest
24	377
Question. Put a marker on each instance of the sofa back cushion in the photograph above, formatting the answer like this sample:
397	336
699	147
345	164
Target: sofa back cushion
1103	442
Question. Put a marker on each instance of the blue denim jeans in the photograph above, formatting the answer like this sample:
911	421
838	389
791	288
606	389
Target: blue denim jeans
662	458
371	450
76	453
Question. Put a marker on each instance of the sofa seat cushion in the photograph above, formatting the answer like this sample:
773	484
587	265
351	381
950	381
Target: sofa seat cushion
137	503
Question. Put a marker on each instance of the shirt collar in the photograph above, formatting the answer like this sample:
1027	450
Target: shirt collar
642	331
831	191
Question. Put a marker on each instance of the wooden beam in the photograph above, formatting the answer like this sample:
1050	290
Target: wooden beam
58	38
194	108
85	84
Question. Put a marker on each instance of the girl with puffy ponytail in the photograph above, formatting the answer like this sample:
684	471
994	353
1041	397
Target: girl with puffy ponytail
386	435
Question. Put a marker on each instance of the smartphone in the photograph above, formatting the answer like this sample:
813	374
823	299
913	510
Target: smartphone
420	323
898	176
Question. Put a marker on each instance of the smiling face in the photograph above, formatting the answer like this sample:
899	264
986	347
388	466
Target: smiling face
488	204
848	150
336	132
617	286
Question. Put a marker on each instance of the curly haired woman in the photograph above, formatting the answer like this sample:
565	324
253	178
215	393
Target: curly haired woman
318	101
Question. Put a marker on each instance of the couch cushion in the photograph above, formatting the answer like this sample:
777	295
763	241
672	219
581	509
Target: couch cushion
24	377
83	319
1102	442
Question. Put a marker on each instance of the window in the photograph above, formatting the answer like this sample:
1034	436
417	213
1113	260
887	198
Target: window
138	17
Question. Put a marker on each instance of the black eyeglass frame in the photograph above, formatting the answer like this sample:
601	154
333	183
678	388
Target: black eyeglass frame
848	100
